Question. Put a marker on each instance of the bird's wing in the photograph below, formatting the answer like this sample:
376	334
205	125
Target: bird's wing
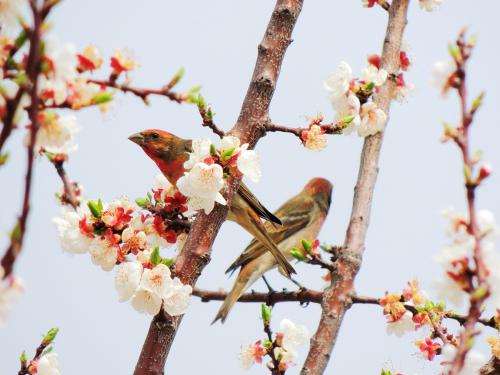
295	215
258	207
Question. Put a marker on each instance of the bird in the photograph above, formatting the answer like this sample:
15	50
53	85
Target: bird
302	217
169	152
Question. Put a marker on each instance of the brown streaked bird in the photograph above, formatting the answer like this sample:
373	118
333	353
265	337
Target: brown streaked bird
302	217
169	152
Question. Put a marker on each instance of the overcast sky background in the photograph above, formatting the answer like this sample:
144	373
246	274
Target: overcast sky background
216	41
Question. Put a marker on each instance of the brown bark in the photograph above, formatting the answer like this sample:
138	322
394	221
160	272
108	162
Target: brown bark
249	128
336	300
492	367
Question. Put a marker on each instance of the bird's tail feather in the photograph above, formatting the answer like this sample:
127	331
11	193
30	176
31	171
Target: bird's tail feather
235	293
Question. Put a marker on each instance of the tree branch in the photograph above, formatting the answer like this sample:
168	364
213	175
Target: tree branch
336	299
195	254
33	68
69	193
492	367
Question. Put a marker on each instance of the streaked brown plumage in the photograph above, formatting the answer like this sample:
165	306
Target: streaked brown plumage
302	217
170	152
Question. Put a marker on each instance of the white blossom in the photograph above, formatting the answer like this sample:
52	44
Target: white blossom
316	140
202	185
349	107
157	280
448	290
10	10
337	84
161	183
293	336
127	279
201	150
430	5
56	134
176	300
103	254
72	239
372	119
9	294
473	360
229	142
48	365
372	74
401	326
248	163
146	301
441	72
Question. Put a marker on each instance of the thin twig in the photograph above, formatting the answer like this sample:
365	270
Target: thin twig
69	194
32	71
333	128
336	301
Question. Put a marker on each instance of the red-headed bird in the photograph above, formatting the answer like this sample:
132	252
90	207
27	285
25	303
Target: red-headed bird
302	217
170	152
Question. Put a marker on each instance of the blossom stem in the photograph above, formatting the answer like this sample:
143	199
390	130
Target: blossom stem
480	271
69	188
33	70
333	128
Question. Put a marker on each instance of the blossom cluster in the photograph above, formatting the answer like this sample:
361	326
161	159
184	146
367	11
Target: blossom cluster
208	166
352	98
120	233
283	348
10	290
456	257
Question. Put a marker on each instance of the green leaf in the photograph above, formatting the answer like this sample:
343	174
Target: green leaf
155	257
298	254
21	79
95	208
47	350
21	39
228	153
454	52
213	150
385	372
348	119
306	245
265	313
467	173
267	344
477	102
142	202
23	358
4	158
210	115
177	77
103	97
200	102
50	336
167	261
15	234
369	86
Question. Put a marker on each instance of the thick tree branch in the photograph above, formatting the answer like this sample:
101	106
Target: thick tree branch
491	368
249	128
336	299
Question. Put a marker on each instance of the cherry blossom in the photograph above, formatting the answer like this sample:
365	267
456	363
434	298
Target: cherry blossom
104	252
68	228
293	335
56	133
10	291
89	60
428	348
401	326
176	299
127	279
146	301
338	83
373	74
157	280
251	354
202	184
248	163
201	151
48	364
10	10
441	74
373	120
314	138
495	345
123	61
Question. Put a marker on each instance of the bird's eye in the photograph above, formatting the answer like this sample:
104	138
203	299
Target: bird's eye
155	136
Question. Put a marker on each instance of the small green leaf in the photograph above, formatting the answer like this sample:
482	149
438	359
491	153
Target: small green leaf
102	97
142	202
477	102
369	86
155	257
21	39
307	246
210	115
4	158
167	261
95	208
454	52
23	358
265	313
200	102
177	77
47	350
480	292
267	344
298	254
348	119
467	173
50	336
385	372
21	79
15	234
213	150
228	153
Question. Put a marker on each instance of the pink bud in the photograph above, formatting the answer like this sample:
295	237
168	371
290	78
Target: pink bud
374	60
484	172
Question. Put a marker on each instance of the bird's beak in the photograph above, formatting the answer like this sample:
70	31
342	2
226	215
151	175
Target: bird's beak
137	138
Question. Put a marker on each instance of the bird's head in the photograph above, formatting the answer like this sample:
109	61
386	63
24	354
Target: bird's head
167	150
321	190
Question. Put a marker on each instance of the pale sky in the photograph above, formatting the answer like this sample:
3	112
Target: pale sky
216	42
